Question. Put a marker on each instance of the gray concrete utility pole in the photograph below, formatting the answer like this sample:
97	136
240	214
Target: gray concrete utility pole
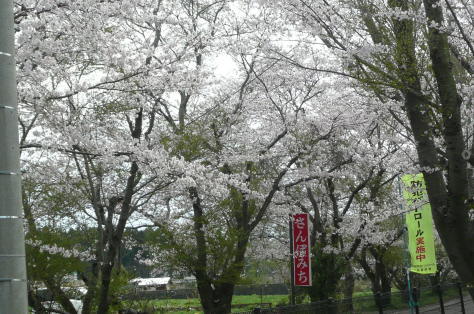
13	295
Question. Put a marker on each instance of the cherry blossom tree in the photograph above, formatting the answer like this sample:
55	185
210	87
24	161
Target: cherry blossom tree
211	120
90	86
417	54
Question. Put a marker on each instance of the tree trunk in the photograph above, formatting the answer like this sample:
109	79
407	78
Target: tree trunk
349	284
327	270
59	296
451	213
115	238
378	276
448	199
90	279
216	300
109	264
216	294
104	289
35	302
385	283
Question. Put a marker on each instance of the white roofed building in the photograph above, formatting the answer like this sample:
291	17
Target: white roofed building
152	284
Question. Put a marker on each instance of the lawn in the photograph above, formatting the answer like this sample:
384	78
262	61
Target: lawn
171	305
363	302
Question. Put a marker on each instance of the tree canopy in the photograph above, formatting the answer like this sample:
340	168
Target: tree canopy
208	122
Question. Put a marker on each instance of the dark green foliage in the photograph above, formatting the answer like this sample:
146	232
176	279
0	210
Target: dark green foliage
327	269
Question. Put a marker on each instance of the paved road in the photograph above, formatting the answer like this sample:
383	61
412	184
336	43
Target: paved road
450	307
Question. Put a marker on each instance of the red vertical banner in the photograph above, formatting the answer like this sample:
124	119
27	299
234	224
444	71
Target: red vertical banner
301	250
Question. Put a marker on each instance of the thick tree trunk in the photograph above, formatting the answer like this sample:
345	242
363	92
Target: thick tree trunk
115	238
349	284
216	294
327	270
59	296
204	284
91	280
385	283
379	277
451	215
104	289
35	302
448	199
109	263
216	300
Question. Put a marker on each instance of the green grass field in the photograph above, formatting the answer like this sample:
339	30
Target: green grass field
363	302
170	305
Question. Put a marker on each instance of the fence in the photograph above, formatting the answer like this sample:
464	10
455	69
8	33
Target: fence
269	289
445	299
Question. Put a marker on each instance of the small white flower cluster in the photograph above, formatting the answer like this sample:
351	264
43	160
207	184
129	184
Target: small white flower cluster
429	169
367	51
147	262
56	250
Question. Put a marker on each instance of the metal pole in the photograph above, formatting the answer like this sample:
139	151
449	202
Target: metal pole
13	297
463	310
406	254
292	265
411	303
411	298
439	289
378	297
415	299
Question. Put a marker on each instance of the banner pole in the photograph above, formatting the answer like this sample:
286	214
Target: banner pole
411	301
292	265
406	254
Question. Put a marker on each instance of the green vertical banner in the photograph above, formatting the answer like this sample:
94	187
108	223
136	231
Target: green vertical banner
420	225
